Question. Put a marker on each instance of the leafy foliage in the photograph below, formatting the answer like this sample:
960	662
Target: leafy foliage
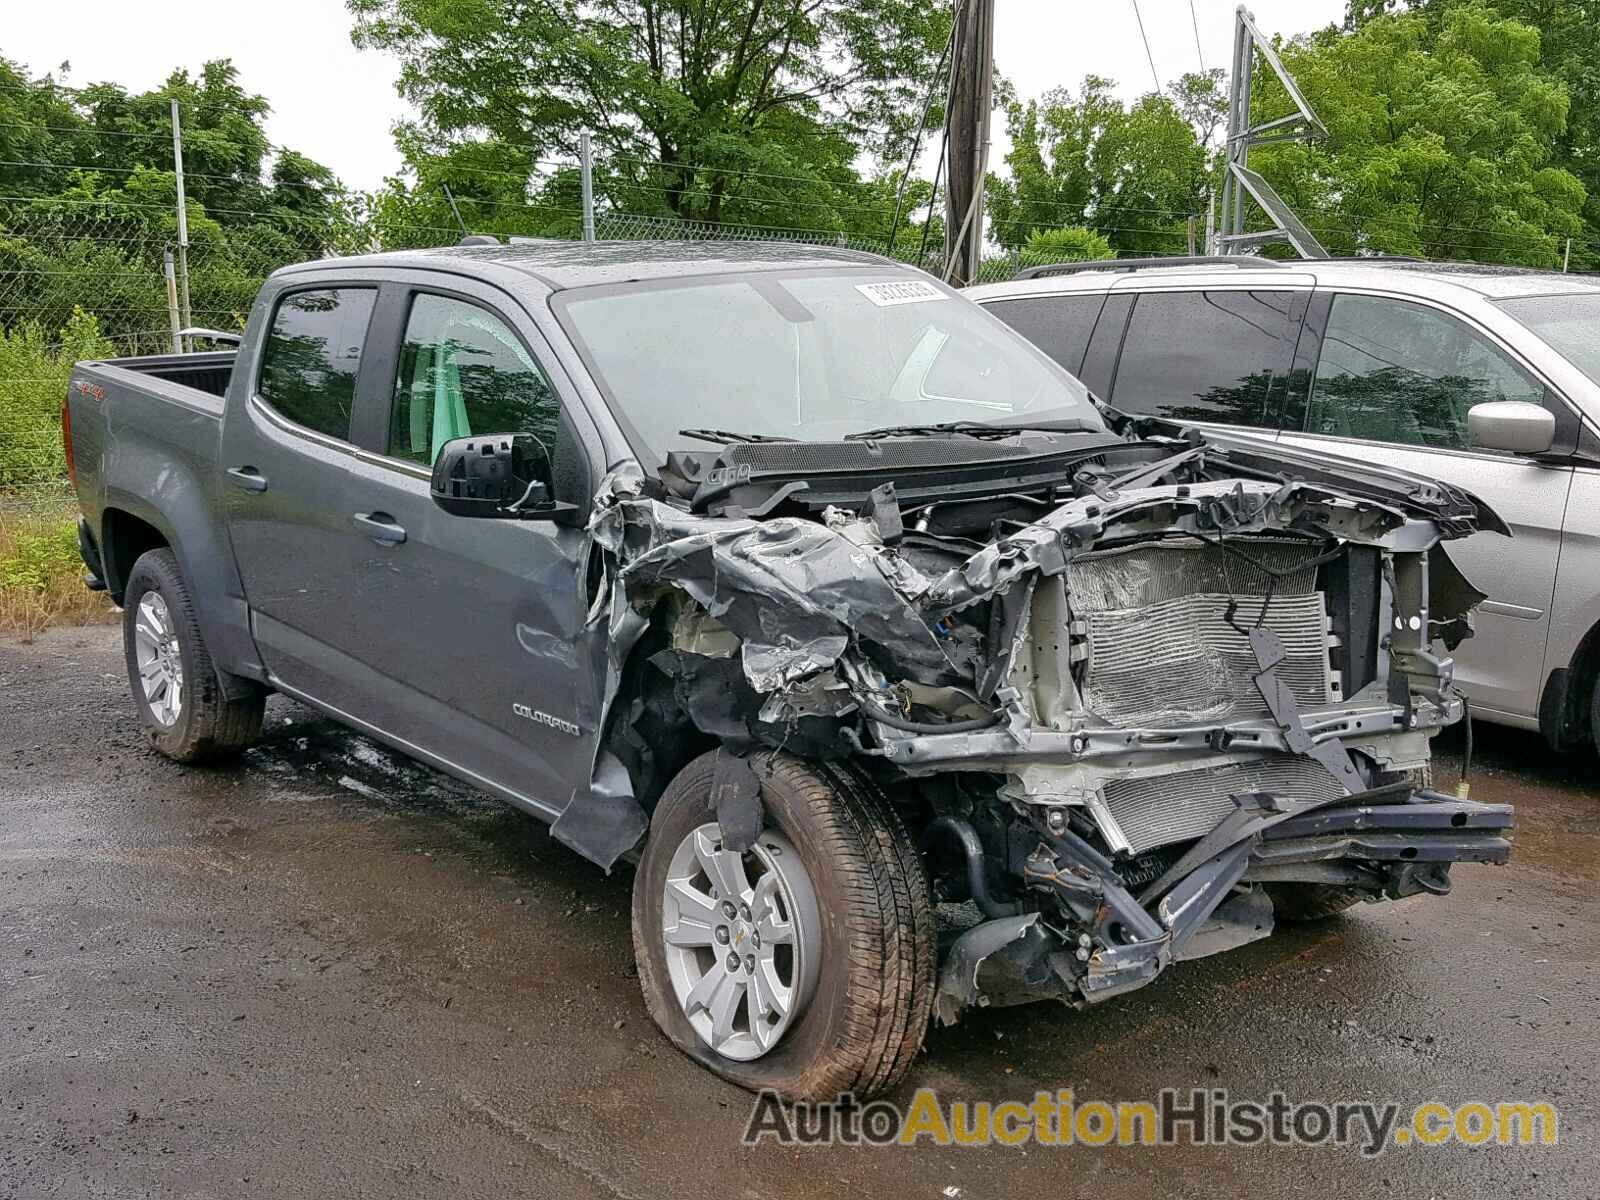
33	382
1075	244
1445	139
88	200
740	111
1134	173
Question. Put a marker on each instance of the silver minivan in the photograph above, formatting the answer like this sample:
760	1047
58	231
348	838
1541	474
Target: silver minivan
1484	377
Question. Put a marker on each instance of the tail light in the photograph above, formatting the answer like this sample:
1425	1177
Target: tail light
66	439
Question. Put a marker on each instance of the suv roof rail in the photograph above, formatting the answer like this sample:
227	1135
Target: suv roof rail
479	239
1242	261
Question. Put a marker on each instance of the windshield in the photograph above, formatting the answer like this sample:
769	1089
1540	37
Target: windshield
809	356
1569	325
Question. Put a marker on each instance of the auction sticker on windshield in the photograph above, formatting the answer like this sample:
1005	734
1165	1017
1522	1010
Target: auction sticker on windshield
908	291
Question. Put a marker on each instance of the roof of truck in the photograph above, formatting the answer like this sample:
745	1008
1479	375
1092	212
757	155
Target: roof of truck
567	264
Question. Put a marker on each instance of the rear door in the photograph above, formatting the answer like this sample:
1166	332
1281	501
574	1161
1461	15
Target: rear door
472	631
1392	384
288	454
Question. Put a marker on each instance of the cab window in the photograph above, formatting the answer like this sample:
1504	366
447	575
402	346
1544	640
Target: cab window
463	372
1393	371
311	354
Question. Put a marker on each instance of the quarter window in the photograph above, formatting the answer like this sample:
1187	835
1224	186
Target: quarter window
1058	325
1219	356
462	372
1393	371
311	354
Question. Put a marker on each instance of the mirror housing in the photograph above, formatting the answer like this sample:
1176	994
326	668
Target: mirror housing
1514	425
503	475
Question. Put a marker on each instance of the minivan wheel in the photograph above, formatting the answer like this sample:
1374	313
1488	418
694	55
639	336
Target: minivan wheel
170	672
804	965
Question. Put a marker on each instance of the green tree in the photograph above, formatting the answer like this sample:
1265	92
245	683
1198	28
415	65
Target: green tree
1073	244
88	201
1569	49
743	111
1132	173
1445	139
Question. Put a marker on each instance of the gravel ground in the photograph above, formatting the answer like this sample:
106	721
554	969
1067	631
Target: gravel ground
331	972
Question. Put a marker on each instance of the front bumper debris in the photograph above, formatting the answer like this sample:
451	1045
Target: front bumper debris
1389	842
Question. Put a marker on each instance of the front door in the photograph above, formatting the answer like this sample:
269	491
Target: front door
1393	384
472	631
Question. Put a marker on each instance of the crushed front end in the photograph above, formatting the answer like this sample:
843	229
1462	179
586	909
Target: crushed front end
1135	713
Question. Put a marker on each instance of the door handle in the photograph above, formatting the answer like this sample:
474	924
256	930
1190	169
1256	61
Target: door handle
248	478
381	527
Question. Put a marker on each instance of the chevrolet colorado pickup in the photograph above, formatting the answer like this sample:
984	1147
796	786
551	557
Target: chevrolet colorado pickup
909	675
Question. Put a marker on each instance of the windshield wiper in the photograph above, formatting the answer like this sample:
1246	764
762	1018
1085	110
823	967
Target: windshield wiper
727	437
977	429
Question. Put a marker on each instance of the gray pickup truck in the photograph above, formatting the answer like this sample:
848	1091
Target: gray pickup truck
909	677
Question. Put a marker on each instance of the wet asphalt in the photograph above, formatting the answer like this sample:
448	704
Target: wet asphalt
331	972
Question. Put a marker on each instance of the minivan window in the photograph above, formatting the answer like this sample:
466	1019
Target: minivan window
1217	355
1569	325
1393	371
462	372
1058	325
310	357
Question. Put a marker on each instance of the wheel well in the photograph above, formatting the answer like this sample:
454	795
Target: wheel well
124	537
1564	707
648	729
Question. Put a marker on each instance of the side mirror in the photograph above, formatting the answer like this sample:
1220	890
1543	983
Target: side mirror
504	475
1514	425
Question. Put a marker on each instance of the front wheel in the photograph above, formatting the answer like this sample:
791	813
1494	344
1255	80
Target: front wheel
170	671
804	965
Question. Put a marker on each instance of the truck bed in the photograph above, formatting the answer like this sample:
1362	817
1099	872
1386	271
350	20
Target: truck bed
209	372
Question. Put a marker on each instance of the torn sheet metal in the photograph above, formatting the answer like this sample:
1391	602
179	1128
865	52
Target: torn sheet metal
958	981
794	591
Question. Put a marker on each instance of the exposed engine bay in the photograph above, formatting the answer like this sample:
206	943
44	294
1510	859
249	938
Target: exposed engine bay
1126	689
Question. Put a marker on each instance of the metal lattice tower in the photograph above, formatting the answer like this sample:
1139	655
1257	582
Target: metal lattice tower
1238	180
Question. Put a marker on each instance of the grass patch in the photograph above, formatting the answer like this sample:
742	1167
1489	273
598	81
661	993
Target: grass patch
41	575
34	368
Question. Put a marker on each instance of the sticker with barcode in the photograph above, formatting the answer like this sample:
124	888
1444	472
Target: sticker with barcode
902	291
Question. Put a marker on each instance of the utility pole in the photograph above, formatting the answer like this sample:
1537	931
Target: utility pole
586	161
183	219
172	303
967	134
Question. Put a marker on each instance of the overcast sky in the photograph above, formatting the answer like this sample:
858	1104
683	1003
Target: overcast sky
337	104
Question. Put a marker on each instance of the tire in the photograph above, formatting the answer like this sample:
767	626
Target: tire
873	993
202	725
1297	903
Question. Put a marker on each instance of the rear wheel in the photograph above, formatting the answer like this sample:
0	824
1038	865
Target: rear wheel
804	965
170	672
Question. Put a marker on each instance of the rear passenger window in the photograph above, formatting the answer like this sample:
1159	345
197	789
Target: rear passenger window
1219	356
1393	371
1058	325
309	361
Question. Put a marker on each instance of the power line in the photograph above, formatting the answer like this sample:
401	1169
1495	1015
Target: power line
1198	53
1151	57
